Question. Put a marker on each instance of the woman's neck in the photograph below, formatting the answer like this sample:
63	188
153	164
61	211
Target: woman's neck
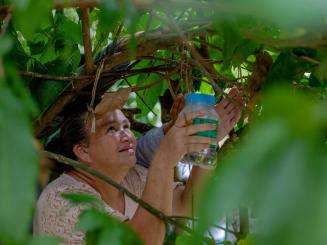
112	196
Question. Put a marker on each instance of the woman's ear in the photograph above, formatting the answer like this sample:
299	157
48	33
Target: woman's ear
81	152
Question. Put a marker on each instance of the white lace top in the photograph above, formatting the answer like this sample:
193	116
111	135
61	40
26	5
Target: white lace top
56	216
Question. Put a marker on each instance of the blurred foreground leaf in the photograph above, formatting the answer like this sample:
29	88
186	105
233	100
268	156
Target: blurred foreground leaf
18	172
279	170
102	229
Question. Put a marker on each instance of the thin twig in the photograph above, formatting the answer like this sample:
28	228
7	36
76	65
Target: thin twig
208	44
149	85
311	60
117	34
87	41
97	77
300	42
141	98
56	78
197	57
157	58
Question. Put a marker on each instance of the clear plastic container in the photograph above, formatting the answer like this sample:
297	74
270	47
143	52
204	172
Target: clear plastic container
202	102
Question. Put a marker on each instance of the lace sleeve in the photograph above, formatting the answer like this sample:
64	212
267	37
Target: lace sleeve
57	217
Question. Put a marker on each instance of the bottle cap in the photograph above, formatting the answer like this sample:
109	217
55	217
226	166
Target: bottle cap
194	98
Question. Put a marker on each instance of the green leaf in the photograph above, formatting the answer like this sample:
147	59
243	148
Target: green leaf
184	239
44	240
69	29
78	198
38	43
276	170
48	92
322	69
36	12
149	97
103	229
16	85
5	45
244	50
18	172
232	39
287	68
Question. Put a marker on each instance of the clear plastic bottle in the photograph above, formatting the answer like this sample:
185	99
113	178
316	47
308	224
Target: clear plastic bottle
202	102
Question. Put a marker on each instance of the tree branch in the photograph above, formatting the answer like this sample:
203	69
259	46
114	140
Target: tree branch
147	45
89	65
197	57
76	4
107	179
152	69
50	77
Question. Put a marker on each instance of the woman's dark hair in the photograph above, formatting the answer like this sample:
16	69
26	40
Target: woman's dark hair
73	131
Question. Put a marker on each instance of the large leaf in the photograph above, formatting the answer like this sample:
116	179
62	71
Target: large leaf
18	168
68	28
287	67
147	99
102	229
277	171
36	12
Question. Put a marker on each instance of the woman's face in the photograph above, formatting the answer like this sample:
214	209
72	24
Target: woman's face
112	145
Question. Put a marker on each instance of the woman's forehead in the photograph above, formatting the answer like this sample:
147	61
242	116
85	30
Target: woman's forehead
110	117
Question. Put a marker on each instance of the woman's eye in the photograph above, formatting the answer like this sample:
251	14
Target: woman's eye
111	129
126	126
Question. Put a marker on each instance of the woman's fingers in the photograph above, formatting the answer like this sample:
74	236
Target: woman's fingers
195	128
230	108
200	140
196	147
185	119
224	103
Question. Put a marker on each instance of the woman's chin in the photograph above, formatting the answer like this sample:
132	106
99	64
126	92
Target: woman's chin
128	159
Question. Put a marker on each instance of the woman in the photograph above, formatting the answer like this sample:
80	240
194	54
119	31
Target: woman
111	150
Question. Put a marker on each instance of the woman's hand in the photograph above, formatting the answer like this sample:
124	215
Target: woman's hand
181	138
229	112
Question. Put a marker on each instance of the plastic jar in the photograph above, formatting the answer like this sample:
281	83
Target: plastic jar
202	102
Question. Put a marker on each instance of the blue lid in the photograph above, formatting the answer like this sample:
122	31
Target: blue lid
193	98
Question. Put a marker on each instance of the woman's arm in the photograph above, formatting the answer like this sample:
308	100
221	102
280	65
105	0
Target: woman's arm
229	114
158	190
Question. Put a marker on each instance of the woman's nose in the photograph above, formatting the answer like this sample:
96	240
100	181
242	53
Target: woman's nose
123	135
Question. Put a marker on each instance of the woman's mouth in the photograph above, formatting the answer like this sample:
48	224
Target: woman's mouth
128	148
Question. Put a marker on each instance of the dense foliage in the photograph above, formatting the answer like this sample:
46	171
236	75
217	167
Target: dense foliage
275	160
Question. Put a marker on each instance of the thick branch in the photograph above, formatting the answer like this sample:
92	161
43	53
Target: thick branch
107	179
76	4
6	9
152	69
308	41
87	41
147	45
